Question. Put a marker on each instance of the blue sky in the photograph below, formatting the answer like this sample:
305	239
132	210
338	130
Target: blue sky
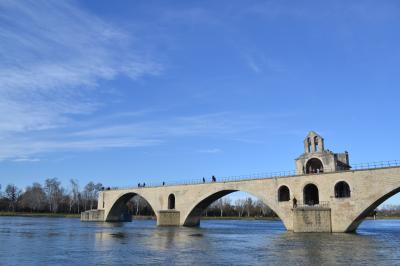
152	91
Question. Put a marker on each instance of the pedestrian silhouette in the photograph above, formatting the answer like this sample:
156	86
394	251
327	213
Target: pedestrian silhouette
294	203
204	180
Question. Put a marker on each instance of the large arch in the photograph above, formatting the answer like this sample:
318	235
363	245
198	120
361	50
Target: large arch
119	210
195	212
370	208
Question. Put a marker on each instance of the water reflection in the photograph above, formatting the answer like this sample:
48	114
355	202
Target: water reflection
40	241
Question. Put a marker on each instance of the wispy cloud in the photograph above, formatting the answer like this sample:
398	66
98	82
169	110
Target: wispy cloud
214	150
53	54
259	63
141	131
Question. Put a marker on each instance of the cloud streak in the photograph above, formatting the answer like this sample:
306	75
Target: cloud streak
53	54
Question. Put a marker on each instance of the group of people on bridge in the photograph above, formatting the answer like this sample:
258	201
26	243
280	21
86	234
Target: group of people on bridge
213	179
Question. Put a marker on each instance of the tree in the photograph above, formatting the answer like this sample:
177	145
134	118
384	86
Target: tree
12	193
34	198
262	209
91	193
223	205
248	205
240	206
53	193
74	197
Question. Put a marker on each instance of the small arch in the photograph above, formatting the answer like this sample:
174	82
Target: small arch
342	190
283	194
309	144
314	165
171	202
311	195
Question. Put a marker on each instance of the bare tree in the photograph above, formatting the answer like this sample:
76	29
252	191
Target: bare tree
248	206
240	206
54	193
74	195
91	193
34	198
12	193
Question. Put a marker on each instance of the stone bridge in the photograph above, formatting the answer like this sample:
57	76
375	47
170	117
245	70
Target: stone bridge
327	202
325	194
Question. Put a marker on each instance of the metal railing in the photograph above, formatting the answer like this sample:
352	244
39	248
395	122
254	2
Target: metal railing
280	174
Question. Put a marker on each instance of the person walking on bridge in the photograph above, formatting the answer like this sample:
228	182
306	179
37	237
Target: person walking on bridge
204	180
294	203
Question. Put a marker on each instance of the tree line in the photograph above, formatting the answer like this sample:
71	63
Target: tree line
223	207
242	207
50	196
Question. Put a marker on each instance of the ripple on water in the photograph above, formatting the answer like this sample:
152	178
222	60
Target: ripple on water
68	241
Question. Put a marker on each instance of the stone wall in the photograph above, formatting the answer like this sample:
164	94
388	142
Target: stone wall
92	216
168	218
312	219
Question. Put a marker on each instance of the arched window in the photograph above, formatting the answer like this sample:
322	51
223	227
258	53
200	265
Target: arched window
316	143
311	195
309	144
342	190
171	201
314	165
283	193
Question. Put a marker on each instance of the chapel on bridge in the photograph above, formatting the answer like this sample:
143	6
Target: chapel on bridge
316	159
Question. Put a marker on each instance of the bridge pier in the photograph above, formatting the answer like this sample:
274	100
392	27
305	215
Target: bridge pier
92	216
168	218
312	219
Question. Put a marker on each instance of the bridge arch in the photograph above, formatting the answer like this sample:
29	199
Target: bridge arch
310	194
314	165
195	212
369	208
342	190
171	201
283	193
119	210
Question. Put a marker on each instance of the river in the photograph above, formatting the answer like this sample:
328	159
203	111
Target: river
62	241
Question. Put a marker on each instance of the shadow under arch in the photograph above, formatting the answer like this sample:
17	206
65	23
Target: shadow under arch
196	212
360	218
119	211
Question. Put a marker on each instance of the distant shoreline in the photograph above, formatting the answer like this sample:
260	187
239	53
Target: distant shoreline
148	217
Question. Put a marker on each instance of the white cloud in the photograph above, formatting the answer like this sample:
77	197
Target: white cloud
52	56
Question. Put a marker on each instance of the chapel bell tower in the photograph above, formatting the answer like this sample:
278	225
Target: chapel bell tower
316	159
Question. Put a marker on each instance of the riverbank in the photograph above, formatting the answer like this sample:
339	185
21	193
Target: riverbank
41	214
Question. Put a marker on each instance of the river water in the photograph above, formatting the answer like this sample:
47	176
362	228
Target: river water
62	241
